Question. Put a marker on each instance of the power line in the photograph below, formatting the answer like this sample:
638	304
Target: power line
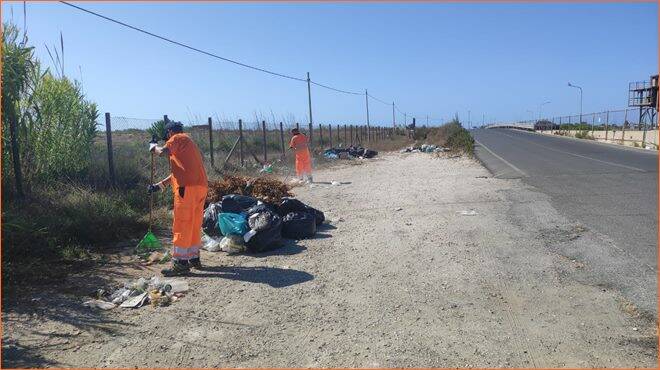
337	90
379	100
223	58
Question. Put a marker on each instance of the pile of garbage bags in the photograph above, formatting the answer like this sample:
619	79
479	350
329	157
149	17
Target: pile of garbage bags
425	148
133	294
239	223
348	153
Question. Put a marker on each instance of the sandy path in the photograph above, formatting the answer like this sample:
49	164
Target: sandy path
399	278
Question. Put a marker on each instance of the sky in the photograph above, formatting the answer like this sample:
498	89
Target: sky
498	62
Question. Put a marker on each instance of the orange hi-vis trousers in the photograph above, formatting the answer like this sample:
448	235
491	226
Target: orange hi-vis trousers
303	162
187	225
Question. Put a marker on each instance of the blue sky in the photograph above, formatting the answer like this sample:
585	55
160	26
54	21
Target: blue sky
436	59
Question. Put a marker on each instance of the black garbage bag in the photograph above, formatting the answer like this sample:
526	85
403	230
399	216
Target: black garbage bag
299	225
210	221
318	215
368	153
263	207
234	203
289	205
268	238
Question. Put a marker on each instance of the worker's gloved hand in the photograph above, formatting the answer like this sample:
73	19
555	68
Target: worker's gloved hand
154	188
153	143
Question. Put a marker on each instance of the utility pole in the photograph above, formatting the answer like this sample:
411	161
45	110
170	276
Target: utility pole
405	119
366	98
427	120
393	116
309	99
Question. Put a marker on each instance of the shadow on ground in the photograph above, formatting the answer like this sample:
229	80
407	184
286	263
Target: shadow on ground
274	276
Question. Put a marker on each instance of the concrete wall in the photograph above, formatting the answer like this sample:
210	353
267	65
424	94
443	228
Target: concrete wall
631	138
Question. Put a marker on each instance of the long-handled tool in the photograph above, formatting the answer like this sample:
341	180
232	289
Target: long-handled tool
149	242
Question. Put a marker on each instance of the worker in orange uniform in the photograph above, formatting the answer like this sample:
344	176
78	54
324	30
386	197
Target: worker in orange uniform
300	146
189	184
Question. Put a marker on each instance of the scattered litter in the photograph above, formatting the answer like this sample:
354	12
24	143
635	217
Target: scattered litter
135	302
350	152
425	148
398	209
335	183
635	329
158	257
268	168
136	293
97	303
468	213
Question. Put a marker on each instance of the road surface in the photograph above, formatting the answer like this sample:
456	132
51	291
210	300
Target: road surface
609	189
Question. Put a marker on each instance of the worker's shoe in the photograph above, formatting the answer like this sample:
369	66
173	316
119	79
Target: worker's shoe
179	268
195	263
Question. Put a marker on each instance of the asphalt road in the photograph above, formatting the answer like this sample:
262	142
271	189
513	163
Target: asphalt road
611	190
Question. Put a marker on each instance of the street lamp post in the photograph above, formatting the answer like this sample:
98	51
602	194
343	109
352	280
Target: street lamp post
578	87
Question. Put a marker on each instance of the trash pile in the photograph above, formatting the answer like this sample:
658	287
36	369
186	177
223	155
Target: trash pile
265	189
134	294
425	148
349	153
240	223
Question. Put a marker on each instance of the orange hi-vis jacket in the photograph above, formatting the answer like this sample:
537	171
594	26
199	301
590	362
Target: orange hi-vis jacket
189	184
300	145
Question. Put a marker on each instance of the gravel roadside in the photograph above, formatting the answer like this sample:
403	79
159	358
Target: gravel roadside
426	262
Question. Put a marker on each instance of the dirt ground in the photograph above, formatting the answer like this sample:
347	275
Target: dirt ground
400	277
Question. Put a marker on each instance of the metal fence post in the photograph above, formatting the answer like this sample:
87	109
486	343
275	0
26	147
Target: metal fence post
311	139
623	132
211	141
282	140
297	126
351	142
263	135
345	135
607	123
330	133
240	142
321	136
108	139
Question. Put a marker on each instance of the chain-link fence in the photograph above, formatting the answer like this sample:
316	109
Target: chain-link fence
226	145
631	126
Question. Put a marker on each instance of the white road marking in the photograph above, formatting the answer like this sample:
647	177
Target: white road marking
579	155
501	159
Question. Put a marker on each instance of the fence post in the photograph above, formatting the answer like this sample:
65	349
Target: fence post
240	142
16	158
282	140
297	126
593	120
351	135
321	135
311	139
108	139
607	123
263	134
623	132
330	133
345	135
211	141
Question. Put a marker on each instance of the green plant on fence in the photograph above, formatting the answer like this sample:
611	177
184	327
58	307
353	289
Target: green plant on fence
158	129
